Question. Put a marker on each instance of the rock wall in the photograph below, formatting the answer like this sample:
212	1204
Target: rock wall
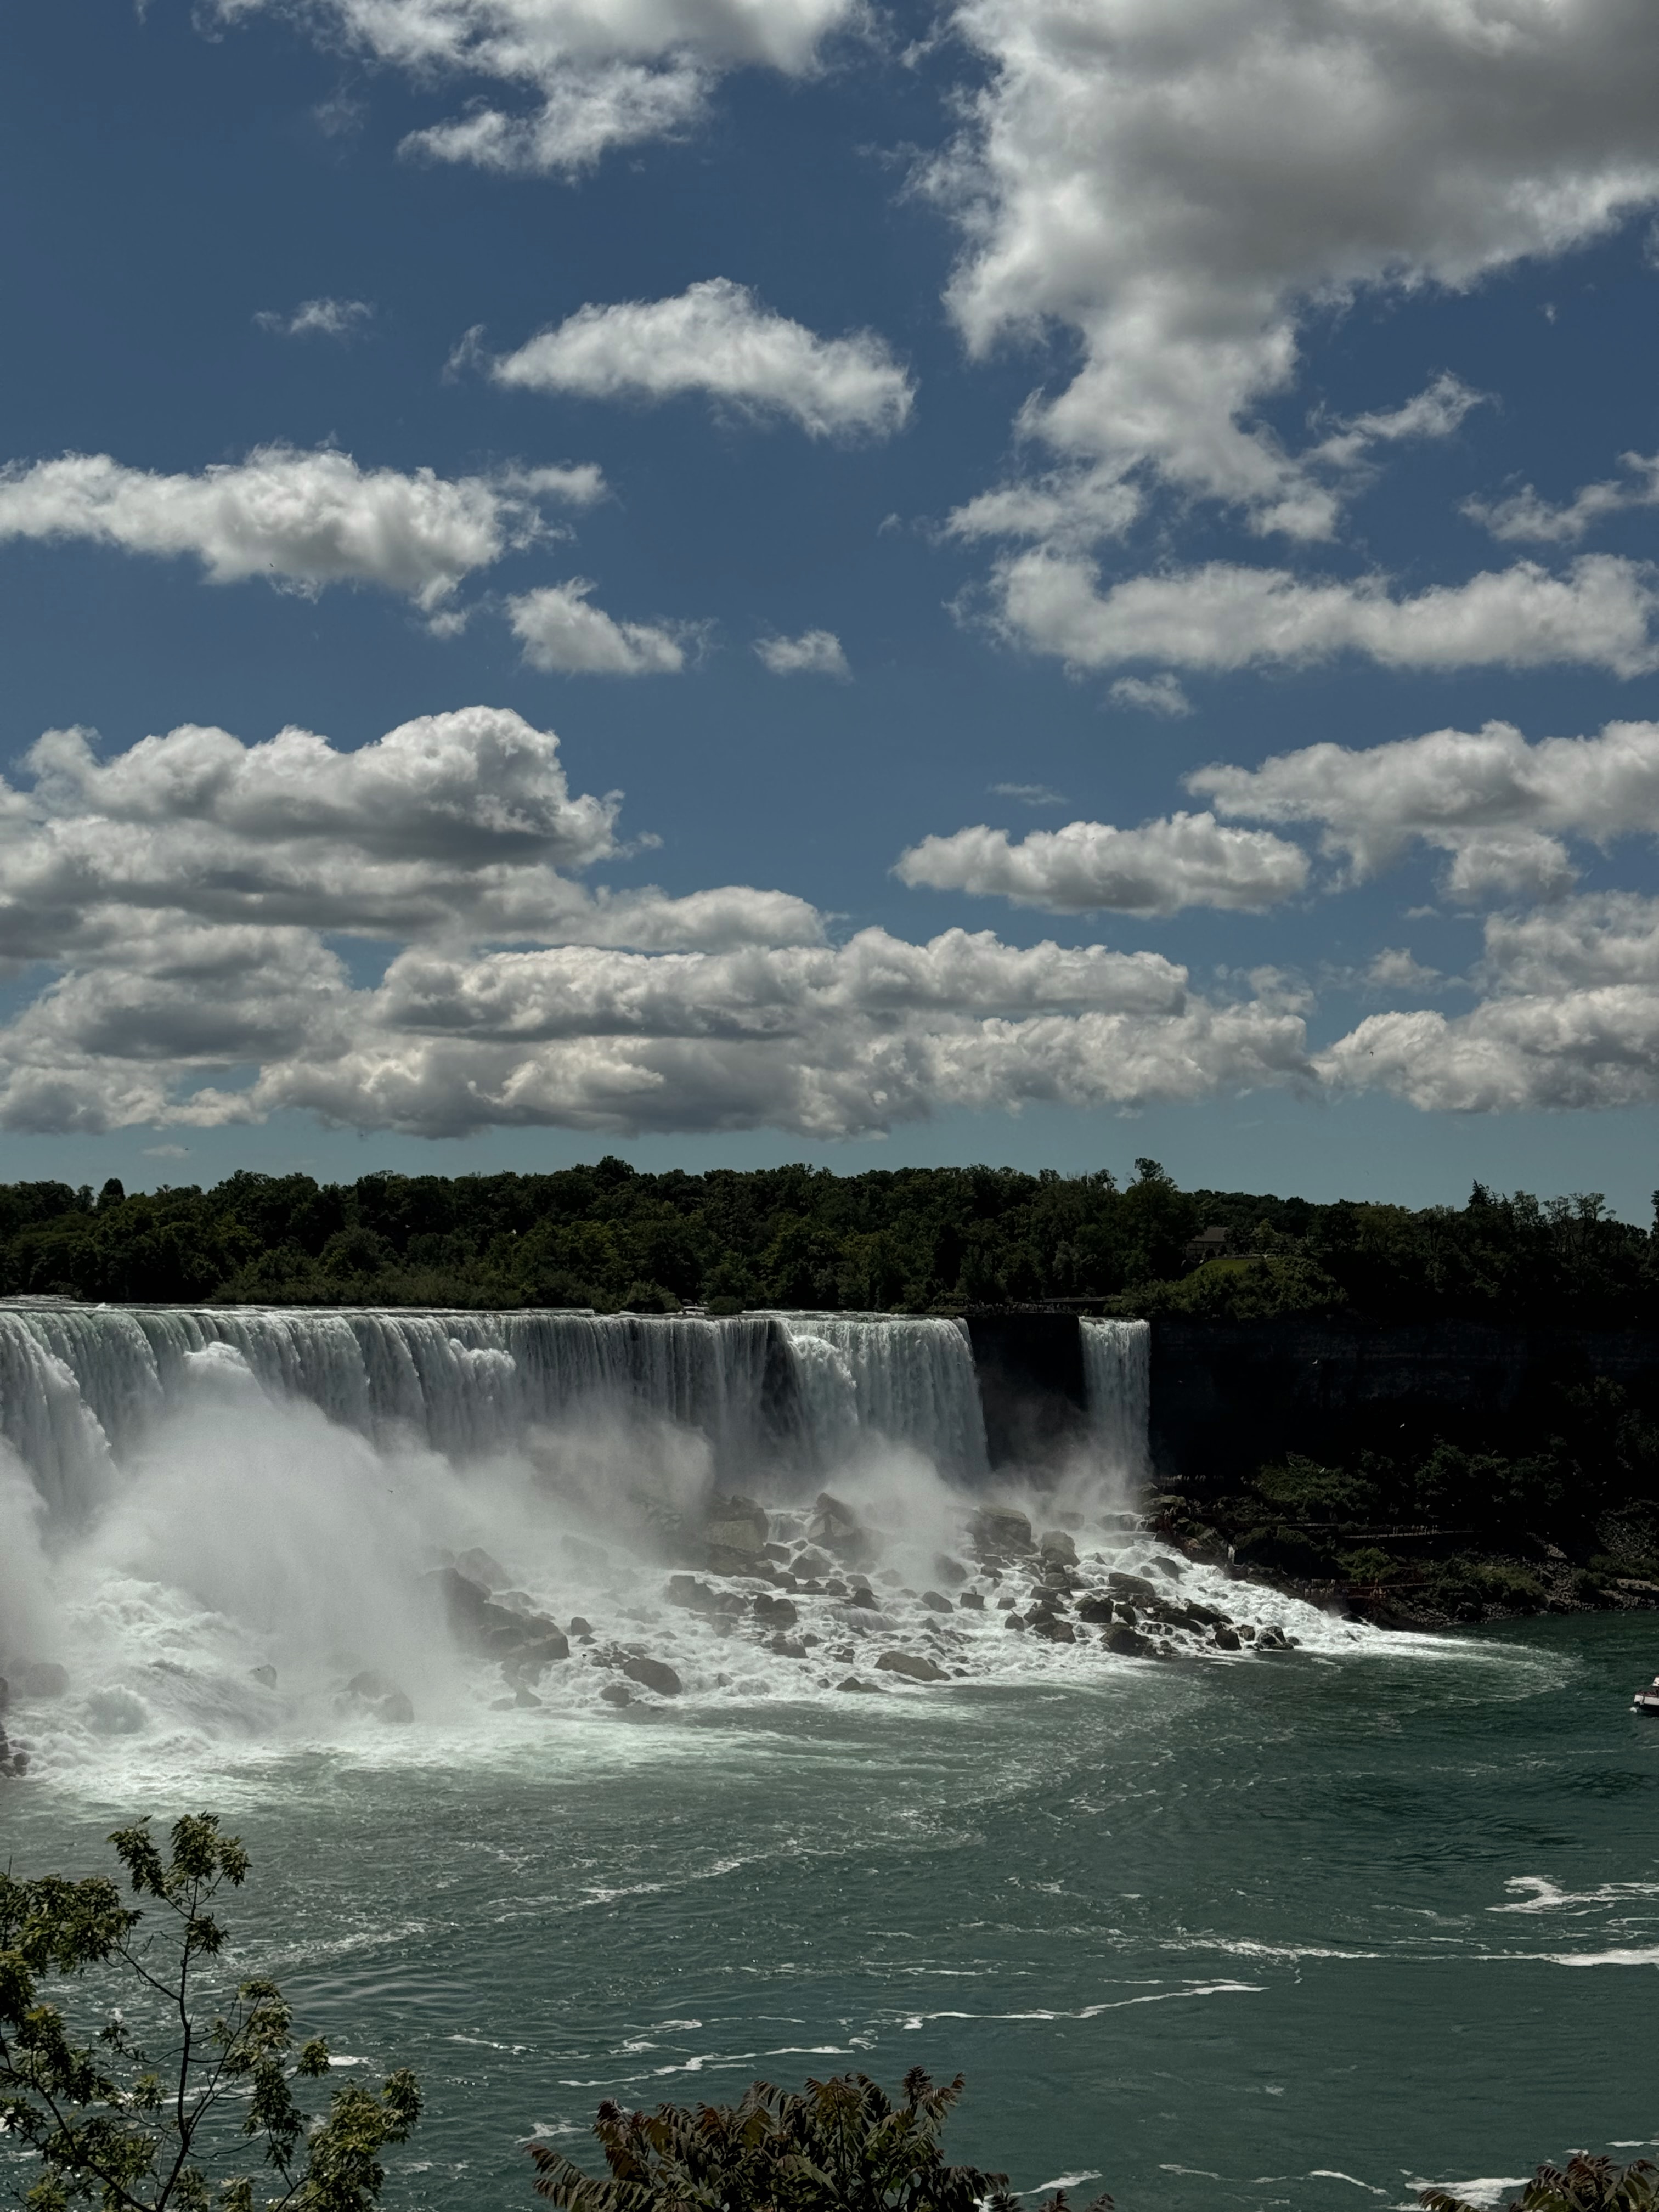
1229	1396
1030	1384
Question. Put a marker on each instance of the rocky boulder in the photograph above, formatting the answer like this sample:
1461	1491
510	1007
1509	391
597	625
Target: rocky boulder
478	1624
949	1570
1132	1586
1226	1639
1126	1643
382	1697
653	1675
478	1566
776	1612
1055	1544
736	1524
912	1666
41	1678
1053	1629
1097	1608
998	1530
972	1601
936	1601
687	1590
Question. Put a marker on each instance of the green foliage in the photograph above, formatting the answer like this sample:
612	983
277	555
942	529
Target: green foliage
837	2146
132	2130
1585	2184
1252	1287
1466	1589
1315	1492
888	1241
1370	1563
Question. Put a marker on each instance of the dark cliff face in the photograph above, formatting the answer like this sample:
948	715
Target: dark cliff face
1031	1385
1231	1396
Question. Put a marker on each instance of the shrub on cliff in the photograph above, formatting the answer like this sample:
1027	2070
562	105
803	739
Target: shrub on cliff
837	2146
1584	2184
1256	1287
142	2130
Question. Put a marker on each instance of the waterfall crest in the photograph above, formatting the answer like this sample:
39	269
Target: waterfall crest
1118	1372
912	1380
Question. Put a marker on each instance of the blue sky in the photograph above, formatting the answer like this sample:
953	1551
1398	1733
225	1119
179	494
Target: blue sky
1019	437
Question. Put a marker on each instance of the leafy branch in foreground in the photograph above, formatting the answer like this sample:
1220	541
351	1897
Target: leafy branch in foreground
1584	2184
138	2132
837	2146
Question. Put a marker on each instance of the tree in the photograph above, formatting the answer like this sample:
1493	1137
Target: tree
137	2131
1585	2184
837	2146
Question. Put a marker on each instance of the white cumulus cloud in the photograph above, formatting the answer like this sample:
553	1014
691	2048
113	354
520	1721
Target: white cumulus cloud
814	652
563	634
1223	616
584	75
183	900
1571	1020
715	338
1500	805
1177	184
1526	518
1190	860
300	519
319	319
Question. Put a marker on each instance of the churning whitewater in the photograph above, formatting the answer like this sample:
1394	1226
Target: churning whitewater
422	1529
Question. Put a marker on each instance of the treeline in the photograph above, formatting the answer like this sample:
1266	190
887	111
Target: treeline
900	1240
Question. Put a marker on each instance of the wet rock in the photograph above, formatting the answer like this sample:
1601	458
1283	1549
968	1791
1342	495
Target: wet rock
778	1551
581	1628
524	1696
972	1601
533	1659
936	1601
834	1524
1014	1620
653	1675
686	1590
1273	1639
265	1675
776	1611
787	1647
1126	1642
1246	1631
42	1678
736	1524
1098	1606
1131	1586
1226	1639
615	1694
1053	1629
949	1570
912	1666
854	1683
1126	1613
1004	1599
866	1598
1203	1616
478	1566
999	1528
1055	1544
889	1578
813	1563
383	1697
835	1587
1166	1567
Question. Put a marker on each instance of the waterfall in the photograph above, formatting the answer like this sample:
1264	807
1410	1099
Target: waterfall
1117	1357
80	1385
909	1381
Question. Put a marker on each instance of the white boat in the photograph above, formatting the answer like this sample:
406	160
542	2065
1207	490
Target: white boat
1647	1701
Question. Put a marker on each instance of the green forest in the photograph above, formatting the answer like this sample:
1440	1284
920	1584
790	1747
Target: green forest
906	1239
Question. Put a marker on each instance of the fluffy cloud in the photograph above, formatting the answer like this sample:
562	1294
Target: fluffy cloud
1226	616
715	338
1527	517
1179	182
562	634
319	319
1499	805
814	652
1152	694
1187	860
599	74
303	519
1571	1020
183	896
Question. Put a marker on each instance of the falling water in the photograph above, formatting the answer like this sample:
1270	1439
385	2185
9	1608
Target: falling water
1117	1382
911	1382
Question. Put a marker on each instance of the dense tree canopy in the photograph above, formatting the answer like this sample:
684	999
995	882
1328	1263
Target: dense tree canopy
891	1239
